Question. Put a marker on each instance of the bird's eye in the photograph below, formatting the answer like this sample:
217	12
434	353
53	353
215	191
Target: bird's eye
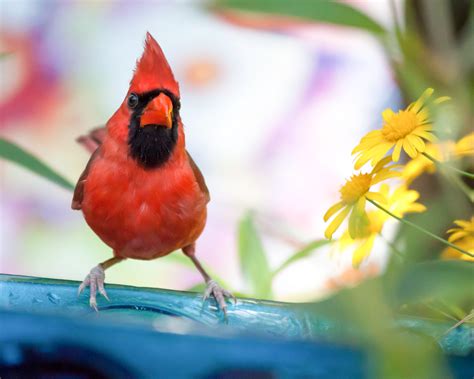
132	100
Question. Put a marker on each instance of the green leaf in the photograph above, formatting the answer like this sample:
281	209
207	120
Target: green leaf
253	260
450	281
13	153
442	209
303	253
328	11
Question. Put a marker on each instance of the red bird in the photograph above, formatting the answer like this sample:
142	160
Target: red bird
141	191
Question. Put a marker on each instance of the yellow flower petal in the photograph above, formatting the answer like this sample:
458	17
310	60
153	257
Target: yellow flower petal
362	160
462	223
369	140
465	146
423	117
442	99
358	220
416	208
379	166
409	195
466	243
377	197
336	222
363	250
379	152
417	142
420	132
397	150
384	189
418	105
387	114
409	148
384	175
427	127
457	235
334	209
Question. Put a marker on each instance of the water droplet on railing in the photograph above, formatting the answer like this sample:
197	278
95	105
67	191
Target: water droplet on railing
53	298
13	297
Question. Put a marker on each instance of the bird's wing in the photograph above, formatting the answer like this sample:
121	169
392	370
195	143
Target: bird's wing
199	177
79	190
91	142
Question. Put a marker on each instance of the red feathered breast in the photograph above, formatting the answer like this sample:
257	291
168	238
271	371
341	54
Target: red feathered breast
143	214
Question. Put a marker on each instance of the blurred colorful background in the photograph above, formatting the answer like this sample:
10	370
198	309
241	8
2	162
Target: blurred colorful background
264	111
271	109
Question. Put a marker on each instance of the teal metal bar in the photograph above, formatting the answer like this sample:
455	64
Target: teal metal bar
46	330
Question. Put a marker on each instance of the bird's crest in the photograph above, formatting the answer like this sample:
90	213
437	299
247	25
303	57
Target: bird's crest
152	70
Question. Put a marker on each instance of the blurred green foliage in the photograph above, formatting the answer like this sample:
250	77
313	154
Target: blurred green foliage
13	153
253	259
432	47
332	12
305	252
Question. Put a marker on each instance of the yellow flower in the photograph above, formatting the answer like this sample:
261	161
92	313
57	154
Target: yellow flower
442	152
353	198
400	202
466	228
407	129
465	146
415	167
362	246
462	237
466	243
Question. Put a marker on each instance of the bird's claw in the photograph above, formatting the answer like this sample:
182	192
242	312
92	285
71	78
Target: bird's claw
95	280
220	294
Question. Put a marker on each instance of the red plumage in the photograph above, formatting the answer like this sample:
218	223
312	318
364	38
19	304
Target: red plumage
141	192
142	213
153	70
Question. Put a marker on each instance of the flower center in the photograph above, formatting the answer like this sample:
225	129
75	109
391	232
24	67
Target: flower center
400	125
356	187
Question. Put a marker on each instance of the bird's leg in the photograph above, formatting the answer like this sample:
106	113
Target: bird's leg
212	288
95	280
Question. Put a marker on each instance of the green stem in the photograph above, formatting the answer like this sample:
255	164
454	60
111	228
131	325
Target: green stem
433	308
464	320
396	21
423	230
444	170
461	185
460	172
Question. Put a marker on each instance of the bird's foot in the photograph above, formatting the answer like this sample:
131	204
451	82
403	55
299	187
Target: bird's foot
94	280
221	295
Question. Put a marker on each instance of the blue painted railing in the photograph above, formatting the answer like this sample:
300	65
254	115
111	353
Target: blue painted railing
145	332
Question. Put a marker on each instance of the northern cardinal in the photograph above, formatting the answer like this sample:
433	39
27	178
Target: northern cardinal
141	191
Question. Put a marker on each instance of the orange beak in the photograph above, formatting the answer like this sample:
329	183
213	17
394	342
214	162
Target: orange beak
159	111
